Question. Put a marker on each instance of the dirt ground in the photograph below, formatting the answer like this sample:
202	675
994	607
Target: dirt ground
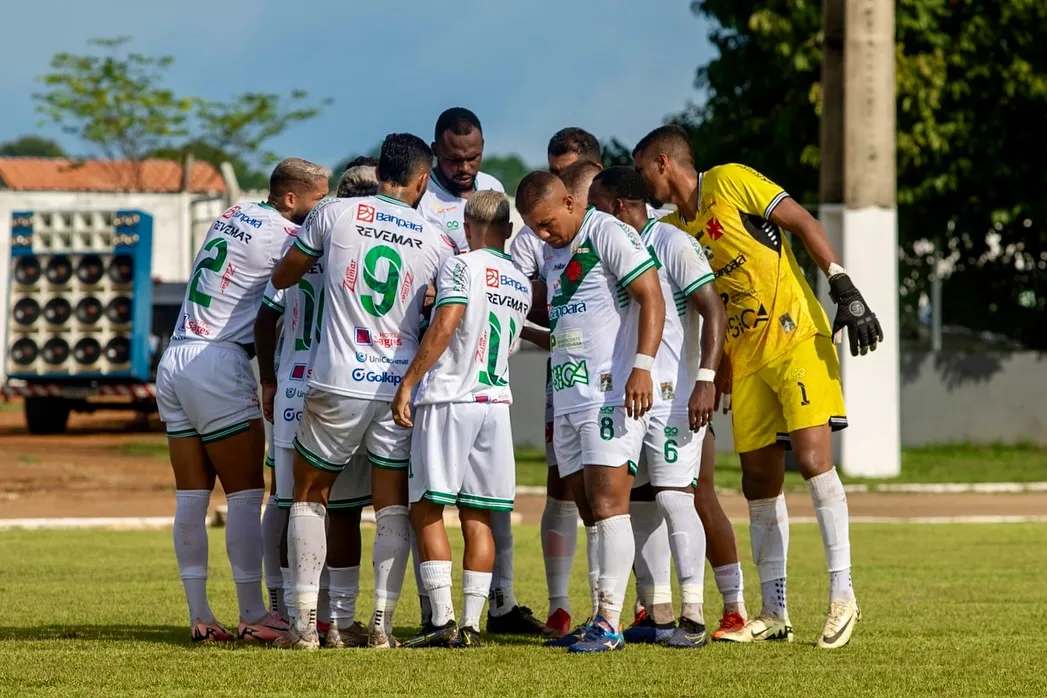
95	470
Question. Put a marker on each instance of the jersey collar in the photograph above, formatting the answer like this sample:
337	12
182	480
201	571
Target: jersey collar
266	204
391	200
433	178
648	225
497	253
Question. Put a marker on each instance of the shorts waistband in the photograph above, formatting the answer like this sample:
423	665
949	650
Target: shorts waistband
186	341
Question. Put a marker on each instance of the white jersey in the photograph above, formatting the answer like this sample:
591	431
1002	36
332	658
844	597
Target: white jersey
446	212
593	336
381	257
230	273
497	298
526	251
682	270
658	213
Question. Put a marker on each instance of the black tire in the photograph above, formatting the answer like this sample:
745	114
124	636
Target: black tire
46	415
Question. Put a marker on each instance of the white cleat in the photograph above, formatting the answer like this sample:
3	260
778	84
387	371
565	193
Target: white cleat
295	639
378	639
763	628
839	624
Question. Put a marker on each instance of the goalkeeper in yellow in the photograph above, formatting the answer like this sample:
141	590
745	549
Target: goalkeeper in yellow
784	371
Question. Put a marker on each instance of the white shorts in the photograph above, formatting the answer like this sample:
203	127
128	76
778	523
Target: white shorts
206	389
671	452
550	451
351	490
287	412
597	436
334	427
463	454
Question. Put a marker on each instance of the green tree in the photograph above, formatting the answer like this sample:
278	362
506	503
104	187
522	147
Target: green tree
972	88
31	147
508	169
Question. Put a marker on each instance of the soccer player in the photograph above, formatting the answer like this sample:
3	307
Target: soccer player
382	257
786	374
208	397
283	390
684	372
462	452
603	351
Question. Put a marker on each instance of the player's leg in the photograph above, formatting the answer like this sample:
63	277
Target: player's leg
611	447
389	450
328	436
439	445
672	451
811	406
350	493
274	522
559	531
721	544
476	579
283	476
654	620
758	419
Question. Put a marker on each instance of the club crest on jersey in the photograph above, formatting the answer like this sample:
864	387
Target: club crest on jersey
298	372
714	228
363	336
492	276
365	213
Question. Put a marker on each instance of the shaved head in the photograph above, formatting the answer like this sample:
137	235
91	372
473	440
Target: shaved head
579	177
552	212
533	188
664	157
670	140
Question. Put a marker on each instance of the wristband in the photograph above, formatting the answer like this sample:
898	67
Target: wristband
834	270
643	362
706	375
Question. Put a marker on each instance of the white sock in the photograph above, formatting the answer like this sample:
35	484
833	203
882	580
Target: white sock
243	545
288	594
272	531
559	541
392	546
344	588
730	583
687	542
616	552
652	557
502	598
323	599
424	605
190	544
307	553
475	586
769	530
436	575
830	506
592	558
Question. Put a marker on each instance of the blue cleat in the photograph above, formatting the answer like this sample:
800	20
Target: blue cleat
690	635
647	632
601	637
572	637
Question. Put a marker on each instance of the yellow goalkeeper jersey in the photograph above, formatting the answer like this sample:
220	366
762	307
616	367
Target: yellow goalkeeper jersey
770	305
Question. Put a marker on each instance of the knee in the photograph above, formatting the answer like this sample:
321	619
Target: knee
813	460
604	505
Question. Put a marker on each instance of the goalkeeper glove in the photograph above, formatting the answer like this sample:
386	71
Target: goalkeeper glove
863	329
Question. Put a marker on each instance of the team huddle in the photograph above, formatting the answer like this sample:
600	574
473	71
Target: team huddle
383	320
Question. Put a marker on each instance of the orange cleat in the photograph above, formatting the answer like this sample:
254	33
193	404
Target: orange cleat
731	622
558	625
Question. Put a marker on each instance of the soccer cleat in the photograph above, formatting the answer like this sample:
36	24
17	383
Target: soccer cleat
445	635
296	639
378	639
601	637
269	629
468	638
572	637
353	636
690	635
764	628
558	625
210	632
839	625
731	622
646	632
518	621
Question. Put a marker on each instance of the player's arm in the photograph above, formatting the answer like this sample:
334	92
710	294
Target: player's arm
539	313
294	265
265	339
538	336
307	247
646	291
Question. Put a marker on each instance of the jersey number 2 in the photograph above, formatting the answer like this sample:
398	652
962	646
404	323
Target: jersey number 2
213	264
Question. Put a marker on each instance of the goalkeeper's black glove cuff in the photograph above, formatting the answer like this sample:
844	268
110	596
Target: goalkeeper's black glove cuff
840	285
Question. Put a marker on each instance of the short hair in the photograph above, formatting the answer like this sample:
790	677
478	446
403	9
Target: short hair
458	120
579	176
623	183
361	161
488	208
575	140
403	156
294	175
361	180
670	139
534	188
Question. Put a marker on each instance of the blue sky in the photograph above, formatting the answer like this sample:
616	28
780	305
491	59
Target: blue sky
527	68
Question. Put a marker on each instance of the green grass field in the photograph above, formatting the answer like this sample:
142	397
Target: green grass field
949	611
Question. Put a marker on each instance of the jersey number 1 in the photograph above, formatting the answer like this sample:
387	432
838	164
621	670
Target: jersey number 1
213	264
312	314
